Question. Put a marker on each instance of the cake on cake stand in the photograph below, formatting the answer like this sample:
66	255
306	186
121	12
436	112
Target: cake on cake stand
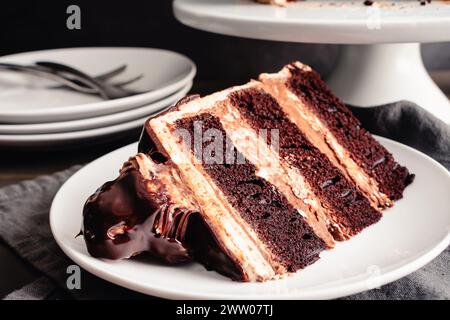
381	62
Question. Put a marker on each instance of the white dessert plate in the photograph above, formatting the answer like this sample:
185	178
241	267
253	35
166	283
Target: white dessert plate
65	138
321	21
95	122
408	236
28	99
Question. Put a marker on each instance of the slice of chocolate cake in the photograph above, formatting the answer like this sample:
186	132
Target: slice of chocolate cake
244	181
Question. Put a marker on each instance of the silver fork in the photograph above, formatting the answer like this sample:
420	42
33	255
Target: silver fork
48	75
104	89
79	81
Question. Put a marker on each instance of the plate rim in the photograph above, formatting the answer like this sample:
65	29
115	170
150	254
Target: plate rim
59	127
322	293
102	106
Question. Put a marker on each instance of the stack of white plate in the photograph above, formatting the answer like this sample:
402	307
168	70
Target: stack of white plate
34	113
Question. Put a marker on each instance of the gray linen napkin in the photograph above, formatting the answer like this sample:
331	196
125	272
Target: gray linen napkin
24	224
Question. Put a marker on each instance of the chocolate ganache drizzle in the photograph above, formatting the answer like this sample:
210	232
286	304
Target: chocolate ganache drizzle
148	208
145	209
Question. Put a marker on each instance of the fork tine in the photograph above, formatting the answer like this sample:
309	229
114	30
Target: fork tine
112	73
78	80
63	69
127	82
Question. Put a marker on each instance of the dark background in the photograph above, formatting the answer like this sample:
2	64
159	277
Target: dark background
33	25
221	60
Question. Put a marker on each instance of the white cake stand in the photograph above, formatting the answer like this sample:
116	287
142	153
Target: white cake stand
381	63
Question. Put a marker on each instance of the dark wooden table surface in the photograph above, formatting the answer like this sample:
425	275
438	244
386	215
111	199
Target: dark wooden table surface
17	165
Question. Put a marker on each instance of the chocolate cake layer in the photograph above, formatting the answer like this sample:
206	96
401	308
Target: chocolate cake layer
349	210
277	223
252	144
368	154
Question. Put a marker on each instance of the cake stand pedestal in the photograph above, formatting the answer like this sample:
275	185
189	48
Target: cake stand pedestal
370	75
381	62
